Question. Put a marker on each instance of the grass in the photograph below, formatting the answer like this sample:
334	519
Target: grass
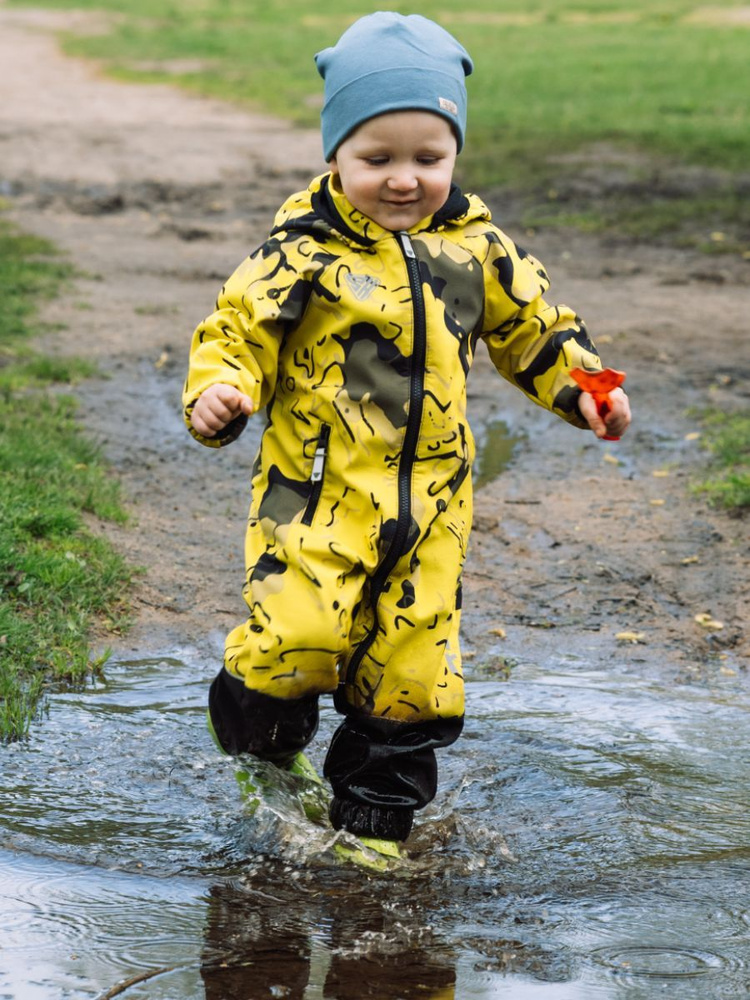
555	80
56	576
727	483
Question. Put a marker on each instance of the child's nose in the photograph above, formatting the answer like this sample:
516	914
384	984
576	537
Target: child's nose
402	179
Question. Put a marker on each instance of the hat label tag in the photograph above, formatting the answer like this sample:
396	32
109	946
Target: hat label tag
447	105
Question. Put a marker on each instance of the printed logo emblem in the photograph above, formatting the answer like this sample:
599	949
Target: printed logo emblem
363	285
447	105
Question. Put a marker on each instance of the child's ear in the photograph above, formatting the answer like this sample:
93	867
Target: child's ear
333	165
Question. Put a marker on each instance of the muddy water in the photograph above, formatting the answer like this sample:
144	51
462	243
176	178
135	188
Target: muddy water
591	839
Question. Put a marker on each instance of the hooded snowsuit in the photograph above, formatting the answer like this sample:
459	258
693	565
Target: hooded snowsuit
358	342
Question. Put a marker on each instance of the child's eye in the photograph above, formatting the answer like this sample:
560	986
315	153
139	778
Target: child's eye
376	161
428	161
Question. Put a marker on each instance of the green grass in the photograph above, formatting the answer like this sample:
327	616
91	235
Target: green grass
727	483
554	79
56	576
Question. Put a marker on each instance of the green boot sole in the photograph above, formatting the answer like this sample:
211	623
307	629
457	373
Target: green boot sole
372	853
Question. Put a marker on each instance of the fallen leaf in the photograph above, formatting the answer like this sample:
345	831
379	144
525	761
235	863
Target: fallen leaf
612	459
657	503
660	473
630	636
705	620
727	671
690	559
162	359
693	436
499	632
718	237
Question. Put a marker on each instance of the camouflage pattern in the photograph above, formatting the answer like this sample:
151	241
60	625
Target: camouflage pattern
361	354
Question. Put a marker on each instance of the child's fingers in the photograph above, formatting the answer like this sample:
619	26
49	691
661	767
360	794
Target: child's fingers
200	425
230	403
590	413
246	405
615	421
217	407
618	418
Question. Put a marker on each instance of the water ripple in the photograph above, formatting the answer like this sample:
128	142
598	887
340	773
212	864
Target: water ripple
663	961
591	830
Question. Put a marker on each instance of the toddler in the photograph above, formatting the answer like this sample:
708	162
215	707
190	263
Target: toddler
353	327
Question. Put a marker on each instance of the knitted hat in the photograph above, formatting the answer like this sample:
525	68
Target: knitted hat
391	62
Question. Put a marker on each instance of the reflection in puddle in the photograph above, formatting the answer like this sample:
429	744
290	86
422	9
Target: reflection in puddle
591	837
496	447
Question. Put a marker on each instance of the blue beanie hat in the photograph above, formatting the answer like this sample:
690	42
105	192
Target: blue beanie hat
391	62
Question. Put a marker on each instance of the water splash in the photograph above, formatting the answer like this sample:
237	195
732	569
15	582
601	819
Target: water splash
591	835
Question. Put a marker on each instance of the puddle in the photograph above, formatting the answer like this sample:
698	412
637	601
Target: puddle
591	839
496	447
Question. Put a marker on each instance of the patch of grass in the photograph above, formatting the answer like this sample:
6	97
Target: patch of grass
727	483
21	368
713	217
56	576
560	74
553	78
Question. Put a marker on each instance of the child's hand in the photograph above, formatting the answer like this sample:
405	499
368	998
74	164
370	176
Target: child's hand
218	406
615	423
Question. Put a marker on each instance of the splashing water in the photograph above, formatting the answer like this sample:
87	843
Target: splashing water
591	839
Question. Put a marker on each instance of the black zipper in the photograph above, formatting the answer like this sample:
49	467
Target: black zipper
408	452
316	476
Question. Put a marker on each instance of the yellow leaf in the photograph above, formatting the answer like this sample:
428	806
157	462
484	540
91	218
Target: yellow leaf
718	237
603	338
690	559
706	621
499	632
630	636
693	436
657	503
727	671
660	473
612	459
162	359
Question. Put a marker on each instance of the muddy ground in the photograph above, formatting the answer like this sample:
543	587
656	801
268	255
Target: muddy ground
157	195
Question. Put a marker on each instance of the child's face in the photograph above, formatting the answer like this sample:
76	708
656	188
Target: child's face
397	168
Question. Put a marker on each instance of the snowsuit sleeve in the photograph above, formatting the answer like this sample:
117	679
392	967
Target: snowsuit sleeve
238	344
531	343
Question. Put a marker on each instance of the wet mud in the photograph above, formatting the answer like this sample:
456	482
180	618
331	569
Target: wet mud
590	837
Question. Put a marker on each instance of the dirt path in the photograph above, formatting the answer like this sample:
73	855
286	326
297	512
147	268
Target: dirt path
156	196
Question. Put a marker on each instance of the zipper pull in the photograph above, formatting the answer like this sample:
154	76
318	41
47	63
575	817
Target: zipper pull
319	458
406	244
319	462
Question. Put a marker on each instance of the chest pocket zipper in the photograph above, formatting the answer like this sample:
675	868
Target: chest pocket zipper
316	476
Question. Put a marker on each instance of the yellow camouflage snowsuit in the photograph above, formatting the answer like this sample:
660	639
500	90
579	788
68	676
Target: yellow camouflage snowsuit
358	342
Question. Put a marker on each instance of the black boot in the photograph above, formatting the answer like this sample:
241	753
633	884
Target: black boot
381	771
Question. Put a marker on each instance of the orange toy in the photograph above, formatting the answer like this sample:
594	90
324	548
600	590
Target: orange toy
599	384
